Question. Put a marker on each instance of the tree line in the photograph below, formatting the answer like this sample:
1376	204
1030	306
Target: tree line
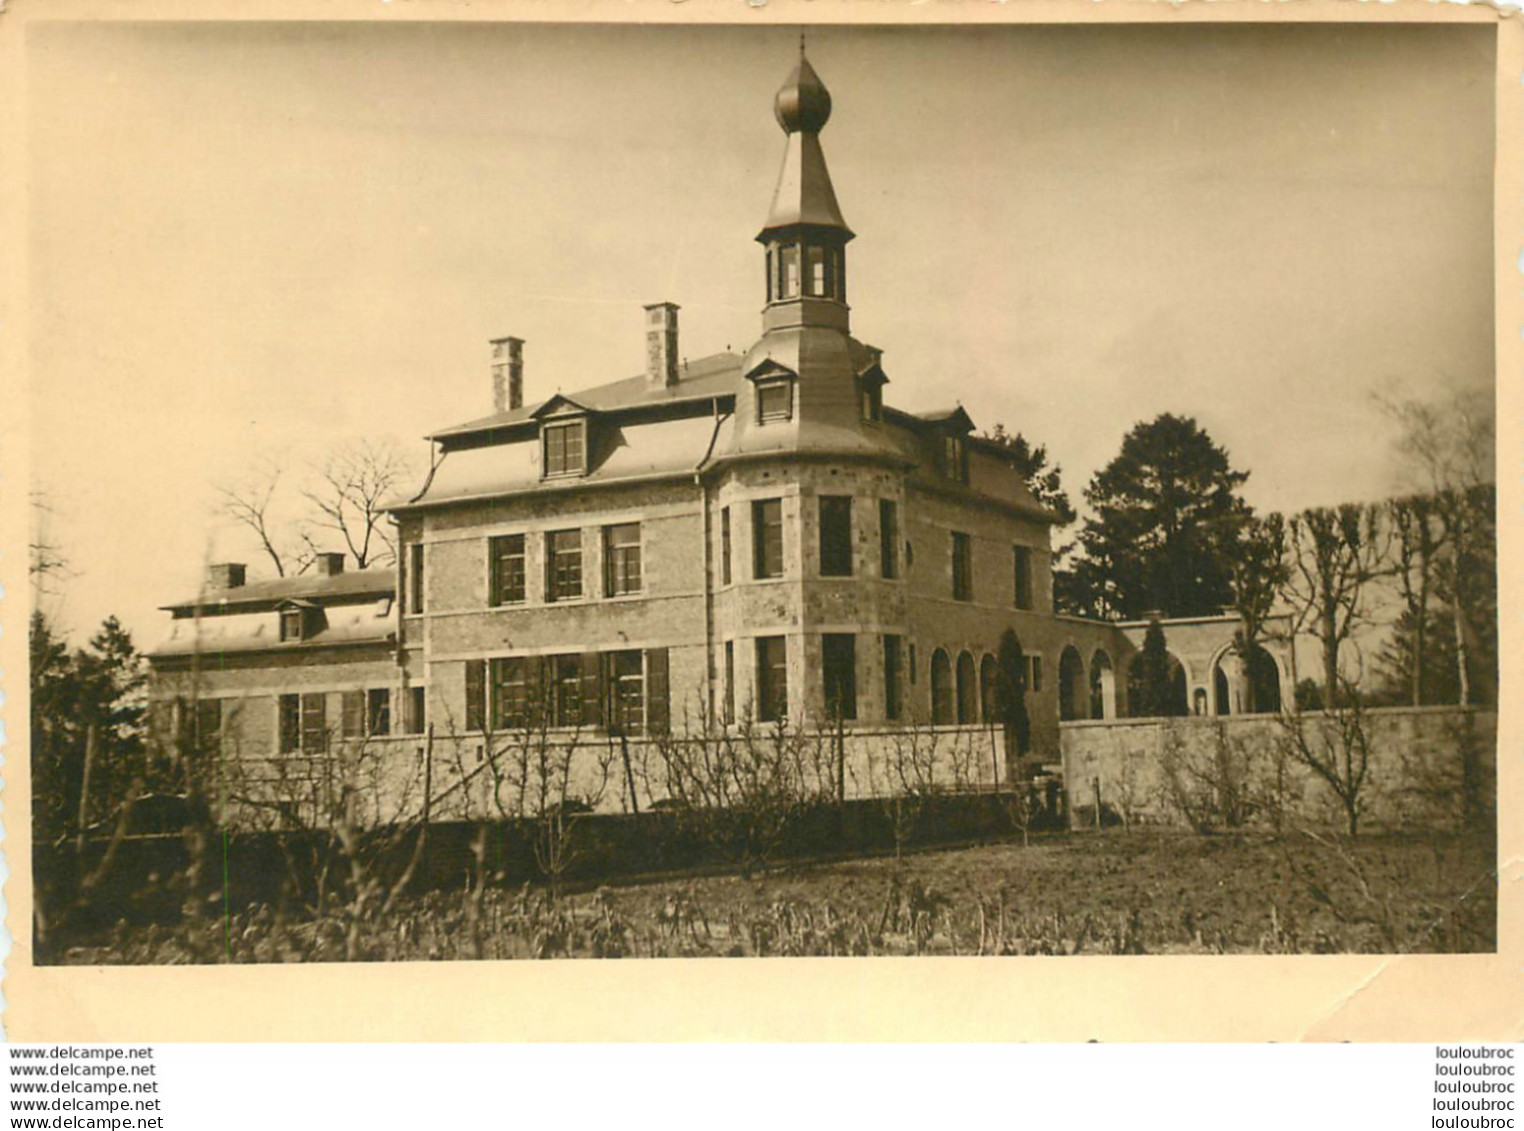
1168	533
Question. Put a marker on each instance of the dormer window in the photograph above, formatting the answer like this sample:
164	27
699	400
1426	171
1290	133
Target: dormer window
955	458
775	401
299	620
565	448
871	401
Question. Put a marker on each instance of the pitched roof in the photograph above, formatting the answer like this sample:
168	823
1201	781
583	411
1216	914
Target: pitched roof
715	375
258	630
340	587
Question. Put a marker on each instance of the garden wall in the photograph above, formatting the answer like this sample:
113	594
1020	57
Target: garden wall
1431	767
385	781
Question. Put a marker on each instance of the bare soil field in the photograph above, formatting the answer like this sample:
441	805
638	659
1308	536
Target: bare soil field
1114	892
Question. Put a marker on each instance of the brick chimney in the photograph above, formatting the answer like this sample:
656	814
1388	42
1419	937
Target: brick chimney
507	374
330	564
661	344
225	575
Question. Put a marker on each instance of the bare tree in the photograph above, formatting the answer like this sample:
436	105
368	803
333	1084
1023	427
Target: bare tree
1335	552
1335	746
1259	574
46	565
1419	537
347	494
253	503
291	515
741	788
1449	450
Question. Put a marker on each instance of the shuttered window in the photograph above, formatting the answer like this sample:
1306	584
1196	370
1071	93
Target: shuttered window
352	718
314	723
379	711
658	706
476	694
290	724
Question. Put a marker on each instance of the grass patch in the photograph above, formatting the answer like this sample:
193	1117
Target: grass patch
1091	893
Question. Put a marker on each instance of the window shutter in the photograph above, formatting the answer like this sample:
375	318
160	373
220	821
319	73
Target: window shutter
592	690
476	694
658	705
538	679
314	722
353	719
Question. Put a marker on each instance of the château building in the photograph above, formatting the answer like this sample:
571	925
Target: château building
742	536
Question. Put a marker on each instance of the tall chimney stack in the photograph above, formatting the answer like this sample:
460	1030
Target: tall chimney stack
225	575
507	374
661	344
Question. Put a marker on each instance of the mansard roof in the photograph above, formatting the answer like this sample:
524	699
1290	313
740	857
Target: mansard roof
700	380
492	458
309	588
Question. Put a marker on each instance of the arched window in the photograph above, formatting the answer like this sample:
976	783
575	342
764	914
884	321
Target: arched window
1072	699
941	688
989	675
968	690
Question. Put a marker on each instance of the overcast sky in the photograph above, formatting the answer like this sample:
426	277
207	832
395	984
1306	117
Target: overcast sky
255	238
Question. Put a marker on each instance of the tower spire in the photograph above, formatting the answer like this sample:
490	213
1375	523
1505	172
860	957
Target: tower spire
804	194
805	234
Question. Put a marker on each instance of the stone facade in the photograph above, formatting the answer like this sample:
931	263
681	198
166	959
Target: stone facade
699	545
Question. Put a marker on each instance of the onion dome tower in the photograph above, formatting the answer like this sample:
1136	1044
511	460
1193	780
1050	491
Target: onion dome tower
805	234
816	388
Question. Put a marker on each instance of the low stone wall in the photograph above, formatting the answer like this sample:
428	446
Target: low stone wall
469	777
1426	766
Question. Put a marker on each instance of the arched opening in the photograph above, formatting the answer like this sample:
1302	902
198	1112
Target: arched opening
989	675
1103	686
1071	684
968	689
1173	693
1264	679
1246	687
941	688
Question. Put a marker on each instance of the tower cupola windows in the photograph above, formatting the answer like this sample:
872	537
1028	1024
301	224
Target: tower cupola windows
806	269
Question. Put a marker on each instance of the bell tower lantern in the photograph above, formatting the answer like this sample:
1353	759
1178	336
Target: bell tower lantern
805	235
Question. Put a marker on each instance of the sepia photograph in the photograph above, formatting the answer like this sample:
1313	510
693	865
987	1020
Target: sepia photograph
526	490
